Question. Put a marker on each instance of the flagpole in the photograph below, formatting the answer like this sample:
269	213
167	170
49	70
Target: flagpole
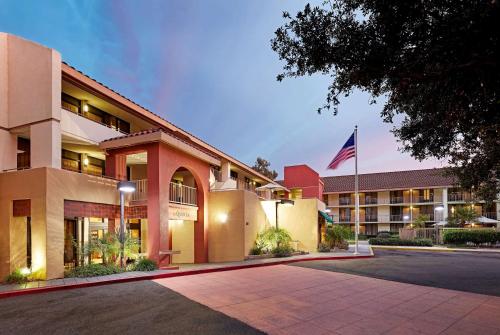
356	191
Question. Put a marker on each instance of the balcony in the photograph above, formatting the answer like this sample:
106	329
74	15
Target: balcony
397	200
396	217
371	218
179	194
345	201
345	219
422	199
459	197
370	201
182	194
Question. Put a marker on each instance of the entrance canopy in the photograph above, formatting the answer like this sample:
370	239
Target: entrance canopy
327	217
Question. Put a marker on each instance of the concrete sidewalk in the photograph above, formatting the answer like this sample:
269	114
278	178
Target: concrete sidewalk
7	290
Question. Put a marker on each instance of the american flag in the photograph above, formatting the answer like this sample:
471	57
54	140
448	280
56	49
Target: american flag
347	151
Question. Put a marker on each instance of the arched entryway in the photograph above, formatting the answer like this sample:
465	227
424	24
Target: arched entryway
185	200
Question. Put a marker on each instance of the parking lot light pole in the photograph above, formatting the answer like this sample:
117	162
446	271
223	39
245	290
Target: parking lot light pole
124	186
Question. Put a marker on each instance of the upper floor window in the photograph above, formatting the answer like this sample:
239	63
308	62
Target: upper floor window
345	199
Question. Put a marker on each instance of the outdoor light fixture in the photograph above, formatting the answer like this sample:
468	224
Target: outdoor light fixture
284	202
25	271
222	217
123	186
85	161
85	106
328	210
439	208
406	217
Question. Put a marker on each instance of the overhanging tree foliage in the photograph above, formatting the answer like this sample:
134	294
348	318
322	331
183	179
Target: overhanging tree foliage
264	167
435	61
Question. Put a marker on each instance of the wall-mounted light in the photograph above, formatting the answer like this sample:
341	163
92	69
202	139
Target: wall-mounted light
406	217
222	217
328	210
439	208
85	161
85	106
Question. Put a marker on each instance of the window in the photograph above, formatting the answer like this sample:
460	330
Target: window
371	198
296	193
345	199
371	214
344	214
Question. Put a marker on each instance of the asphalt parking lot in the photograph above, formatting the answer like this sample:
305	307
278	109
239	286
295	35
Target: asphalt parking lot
143	307
463	271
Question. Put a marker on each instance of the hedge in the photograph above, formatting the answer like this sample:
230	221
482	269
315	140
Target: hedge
419	242
476	237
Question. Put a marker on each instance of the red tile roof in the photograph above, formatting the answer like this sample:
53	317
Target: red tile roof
389	180
139	133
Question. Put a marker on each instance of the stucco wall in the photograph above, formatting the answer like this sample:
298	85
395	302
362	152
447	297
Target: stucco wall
34	81
226	240
301	221
256	219
182	240
47	188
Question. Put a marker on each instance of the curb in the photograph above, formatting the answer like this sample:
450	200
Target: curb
37	290
431	249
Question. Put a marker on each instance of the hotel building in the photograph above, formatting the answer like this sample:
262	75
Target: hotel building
65	142
391	200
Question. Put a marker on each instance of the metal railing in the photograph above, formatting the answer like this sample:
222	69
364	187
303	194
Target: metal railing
371	217
397	200
422	199
459	197
141	190
345	201
371	201
182	194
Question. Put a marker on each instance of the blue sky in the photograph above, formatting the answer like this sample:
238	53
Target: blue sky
208	67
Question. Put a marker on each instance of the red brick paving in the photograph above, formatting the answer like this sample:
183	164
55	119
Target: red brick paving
293	300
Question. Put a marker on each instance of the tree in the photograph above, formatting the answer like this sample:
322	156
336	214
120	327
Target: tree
461	216
420	221
434	62
263	166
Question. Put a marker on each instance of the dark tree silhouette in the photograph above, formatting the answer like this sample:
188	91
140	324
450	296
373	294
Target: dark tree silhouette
435	61
264	167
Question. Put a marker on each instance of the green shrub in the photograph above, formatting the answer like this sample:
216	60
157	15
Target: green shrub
272	237
337	235
284	250
476	237
17	277
93	270
145	264
419	242
384	234
255	250
324	247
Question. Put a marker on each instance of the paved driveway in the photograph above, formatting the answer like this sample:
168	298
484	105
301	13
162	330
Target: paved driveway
471	272
297	300
130	308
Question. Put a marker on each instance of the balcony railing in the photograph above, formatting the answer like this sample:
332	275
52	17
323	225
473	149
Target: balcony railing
371	201
345	219
459	197
421	199
345	201
396	217
182	194
141	190
397	200
371	217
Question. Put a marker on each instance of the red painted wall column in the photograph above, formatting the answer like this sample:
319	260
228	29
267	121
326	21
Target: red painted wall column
116	165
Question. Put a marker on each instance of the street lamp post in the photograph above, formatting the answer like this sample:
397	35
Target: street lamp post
124	186
285	202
